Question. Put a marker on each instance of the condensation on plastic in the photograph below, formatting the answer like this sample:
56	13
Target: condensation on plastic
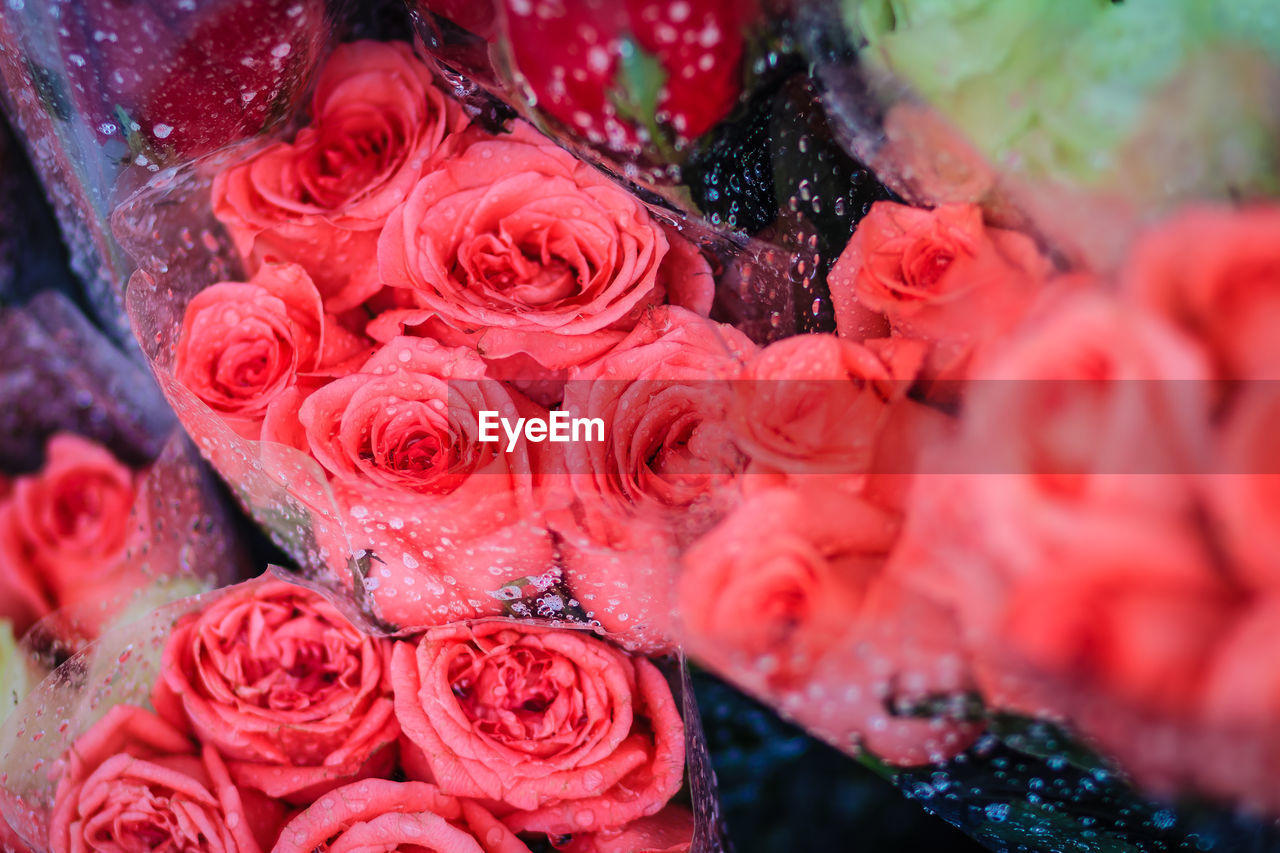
181	249
121	667
106	93
58	374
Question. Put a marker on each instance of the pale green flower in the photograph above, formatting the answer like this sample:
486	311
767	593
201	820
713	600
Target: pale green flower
1059	89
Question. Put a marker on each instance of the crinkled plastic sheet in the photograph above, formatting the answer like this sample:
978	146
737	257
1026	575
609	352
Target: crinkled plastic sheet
59	374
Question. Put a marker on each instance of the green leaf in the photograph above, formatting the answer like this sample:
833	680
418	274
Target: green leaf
640	79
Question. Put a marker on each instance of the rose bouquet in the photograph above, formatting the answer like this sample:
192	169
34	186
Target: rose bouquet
351	381
956	487
260	718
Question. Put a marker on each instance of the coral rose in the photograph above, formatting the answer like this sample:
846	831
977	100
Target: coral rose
1245	498
939	276
817	404
242	345
525	250
1130	609
1095	402
1215	272
64	532
790	597
665	471
772	589
556	731
378	814
663	394
321	200
295	697
134	783
450	519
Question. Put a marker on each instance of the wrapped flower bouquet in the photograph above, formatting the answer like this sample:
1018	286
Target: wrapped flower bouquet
906	365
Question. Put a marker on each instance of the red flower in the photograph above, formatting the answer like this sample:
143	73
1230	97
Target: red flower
604	68
379	814
65	531
193	78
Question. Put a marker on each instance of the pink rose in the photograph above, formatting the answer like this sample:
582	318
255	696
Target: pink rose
772	589
1215	273
378	814
1245	498
134	783
64	532
792	597
666	469
242	345
295	697
1128	610
322	200
663	393
449	519
621	572
939	276
529	252
1093	403
818	404
556	731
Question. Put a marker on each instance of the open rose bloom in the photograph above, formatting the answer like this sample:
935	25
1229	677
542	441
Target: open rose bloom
570	338
258	717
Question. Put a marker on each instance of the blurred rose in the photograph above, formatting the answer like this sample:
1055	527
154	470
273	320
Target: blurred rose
939	276
134	783
818	404
1130	609
449	518
64	532
1215	272
295	697
379	814
774	587
1245	498
517	248
322	200
1094	403
557	731
163	64
792	598
242	345
1242	688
